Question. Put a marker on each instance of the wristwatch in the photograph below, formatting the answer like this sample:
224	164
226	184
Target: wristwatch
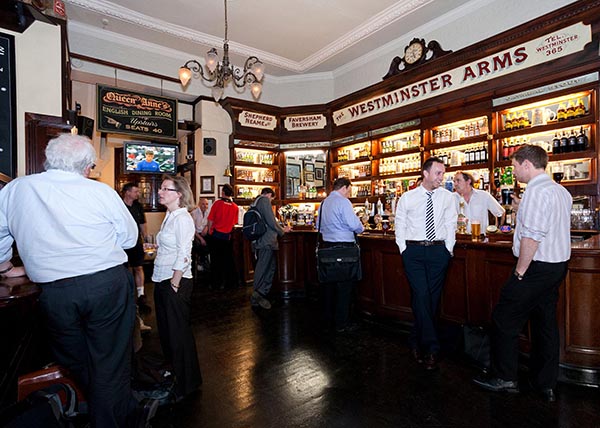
519	275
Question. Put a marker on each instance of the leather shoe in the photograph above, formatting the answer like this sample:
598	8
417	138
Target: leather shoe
416	356
498	385
430	362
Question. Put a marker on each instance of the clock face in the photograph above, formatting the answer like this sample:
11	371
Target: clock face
413	53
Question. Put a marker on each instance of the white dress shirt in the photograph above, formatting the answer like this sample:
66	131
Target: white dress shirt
200	219
410	217
65	225
478	206
174	245
544	215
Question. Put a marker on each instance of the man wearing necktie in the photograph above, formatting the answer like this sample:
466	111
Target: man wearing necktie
425	234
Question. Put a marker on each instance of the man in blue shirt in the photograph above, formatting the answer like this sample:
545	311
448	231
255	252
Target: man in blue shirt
148	164
71	233
338	223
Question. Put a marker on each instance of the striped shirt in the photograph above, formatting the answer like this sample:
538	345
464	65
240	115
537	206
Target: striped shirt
544	215
410	217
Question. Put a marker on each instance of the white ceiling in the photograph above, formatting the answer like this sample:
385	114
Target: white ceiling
290	36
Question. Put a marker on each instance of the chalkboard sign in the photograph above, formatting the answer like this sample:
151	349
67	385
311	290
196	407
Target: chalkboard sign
126	112
8	128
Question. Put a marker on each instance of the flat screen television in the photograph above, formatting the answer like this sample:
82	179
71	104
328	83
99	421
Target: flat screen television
150	158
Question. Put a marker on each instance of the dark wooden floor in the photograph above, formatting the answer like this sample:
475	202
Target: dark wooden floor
276	369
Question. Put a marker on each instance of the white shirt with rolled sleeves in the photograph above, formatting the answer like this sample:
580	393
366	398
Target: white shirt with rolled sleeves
410	217
174	245
65	225
544	215
478	206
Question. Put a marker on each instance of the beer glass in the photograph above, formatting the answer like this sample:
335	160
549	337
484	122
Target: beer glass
475	230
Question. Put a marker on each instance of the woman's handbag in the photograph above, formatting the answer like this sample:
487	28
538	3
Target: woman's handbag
338	263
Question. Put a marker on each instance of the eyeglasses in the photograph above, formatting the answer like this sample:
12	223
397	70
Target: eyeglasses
167	189
92	166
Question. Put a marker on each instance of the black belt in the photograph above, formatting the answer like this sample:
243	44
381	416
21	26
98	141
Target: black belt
425	243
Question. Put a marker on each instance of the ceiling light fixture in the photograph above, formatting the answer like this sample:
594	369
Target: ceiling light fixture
222	72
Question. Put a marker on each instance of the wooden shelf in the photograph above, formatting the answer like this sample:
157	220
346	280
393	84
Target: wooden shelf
483	138
413	151
255	165
556	125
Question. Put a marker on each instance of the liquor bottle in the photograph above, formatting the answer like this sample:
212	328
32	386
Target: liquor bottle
555	144
505	154
561	113
508	220
579	108
571	110
573	142
582	140
564	143
508	125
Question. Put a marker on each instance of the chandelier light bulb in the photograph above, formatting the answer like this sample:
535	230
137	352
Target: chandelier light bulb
258	69
256	89
217	92
212	60
185	74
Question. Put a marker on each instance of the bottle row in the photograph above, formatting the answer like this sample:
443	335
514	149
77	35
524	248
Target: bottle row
255	157
359	151
460	130
560	109
261	176
464	155
400	164
401	142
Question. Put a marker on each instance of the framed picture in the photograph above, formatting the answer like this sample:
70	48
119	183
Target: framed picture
207	184
309	167
292	170
319	173
219	190
309	177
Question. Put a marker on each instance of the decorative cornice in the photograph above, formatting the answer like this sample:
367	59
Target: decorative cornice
376	23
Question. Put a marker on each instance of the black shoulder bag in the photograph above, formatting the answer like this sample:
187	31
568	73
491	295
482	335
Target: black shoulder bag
339	263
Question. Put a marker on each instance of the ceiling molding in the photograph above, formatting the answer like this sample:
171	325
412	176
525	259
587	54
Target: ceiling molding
376	23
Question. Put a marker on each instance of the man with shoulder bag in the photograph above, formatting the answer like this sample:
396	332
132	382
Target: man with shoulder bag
338	225
264	249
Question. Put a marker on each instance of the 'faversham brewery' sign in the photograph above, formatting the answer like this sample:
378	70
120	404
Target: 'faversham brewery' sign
126	112
546	48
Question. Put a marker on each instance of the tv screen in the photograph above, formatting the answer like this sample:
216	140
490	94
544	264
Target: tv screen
150	158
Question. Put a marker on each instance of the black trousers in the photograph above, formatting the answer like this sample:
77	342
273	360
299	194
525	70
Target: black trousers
534	298
336	297
175	332
425	269
90	321
224	272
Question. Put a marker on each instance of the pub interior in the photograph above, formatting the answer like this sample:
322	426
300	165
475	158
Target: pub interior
535	80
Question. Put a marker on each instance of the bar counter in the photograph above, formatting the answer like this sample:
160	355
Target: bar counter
475	277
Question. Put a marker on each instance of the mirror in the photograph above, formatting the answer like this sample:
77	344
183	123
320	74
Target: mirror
306	173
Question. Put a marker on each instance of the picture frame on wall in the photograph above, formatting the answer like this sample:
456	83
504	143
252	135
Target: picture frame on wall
219	190
292	170
319	173
309	177
309	167
207	184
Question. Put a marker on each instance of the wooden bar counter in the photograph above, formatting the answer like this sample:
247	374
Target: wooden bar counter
475	277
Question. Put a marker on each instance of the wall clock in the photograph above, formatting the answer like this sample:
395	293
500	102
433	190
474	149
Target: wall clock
414	52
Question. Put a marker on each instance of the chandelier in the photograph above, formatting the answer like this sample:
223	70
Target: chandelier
220	73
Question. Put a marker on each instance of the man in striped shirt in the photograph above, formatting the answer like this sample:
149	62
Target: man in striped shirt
542	244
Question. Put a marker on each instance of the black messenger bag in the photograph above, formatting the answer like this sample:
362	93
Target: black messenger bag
338	263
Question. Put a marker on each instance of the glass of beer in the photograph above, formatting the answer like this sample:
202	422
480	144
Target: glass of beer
475	230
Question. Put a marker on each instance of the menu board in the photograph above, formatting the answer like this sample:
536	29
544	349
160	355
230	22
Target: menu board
8	129
122	111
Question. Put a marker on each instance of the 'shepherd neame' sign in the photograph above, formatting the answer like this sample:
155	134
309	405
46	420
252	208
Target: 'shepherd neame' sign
126	112
546	48
252	119
8	129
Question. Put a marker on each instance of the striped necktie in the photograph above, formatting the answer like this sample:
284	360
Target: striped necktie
429	224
